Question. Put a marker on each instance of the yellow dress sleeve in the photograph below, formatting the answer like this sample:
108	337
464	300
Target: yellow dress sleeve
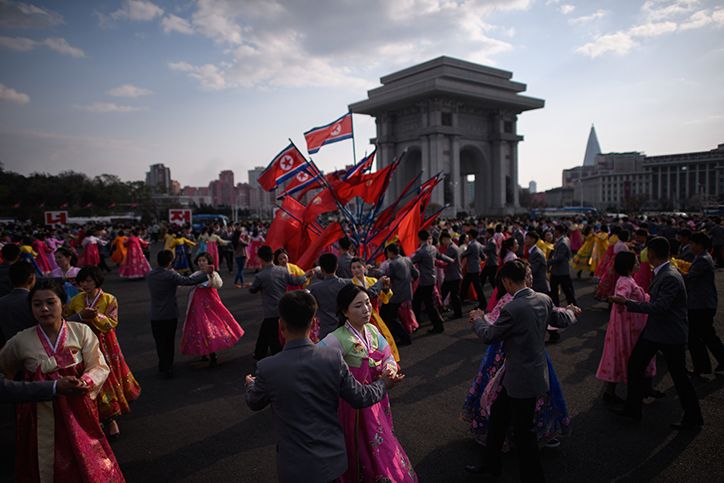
382	296
107	317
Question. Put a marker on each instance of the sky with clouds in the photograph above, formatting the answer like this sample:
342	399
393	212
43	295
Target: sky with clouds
207	85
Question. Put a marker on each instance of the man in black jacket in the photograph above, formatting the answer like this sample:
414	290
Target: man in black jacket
666	330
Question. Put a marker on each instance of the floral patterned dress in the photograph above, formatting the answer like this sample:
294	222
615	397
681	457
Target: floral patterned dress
551	410
374	454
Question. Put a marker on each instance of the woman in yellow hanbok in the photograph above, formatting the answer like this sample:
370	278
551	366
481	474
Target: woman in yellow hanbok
600	246
359	278
582	259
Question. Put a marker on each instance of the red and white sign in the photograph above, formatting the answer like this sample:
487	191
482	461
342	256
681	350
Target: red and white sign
56	217
179	216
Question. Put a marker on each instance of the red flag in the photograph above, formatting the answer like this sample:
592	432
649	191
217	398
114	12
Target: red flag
323	202
359	168
332	233
337	130
284	165
303	181
284	227
369	187
407	230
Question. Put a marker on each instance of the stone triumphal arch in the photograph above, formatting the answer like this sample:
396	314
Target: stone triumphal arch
456	117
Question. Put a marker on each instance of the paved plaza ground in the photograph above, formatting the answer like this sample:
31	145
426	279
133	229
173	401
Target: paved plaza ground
197	428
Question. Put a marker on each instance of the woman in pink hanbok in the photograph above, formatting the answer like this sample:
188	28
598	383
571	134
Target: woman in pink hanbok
373	452
624	329
607	284
91	256
209	326
135	264
252	261
44	252
59	440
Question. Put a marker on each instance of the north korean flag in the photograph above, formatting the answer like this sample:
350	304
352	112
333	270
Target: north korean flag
284	165
337	130
358	169
303	179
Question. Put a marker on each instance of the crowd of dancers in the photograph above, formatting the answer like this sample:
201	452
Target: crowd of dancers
346	319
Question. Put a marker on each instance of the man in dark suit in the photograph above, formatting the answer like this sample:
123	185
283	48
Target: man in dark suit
538	265
521	326
453	274
702	301
424	258
666	330
473	255
303	384
15	312
559	264
401	272
20	391
162	284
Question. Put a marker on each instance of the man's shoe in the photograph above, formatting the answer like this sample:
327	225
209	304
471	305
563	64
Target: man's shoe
686	426
481	470
436	330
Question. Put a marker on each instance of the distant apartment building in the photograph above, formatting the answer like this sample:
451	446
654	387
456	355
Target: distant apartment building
158	178
199	196
223	191
261	203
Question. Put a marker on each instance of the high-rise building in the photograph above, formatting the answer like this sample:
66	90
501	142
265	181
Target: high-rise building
158	178
533	187
260	202
593	149
222	189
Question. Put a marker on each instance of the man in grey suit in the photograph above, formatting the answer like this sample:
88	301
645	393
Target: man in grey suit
521	327
453	274
424	258
15	312
666	331
162	284
559	264
303	384
702	300
473	255
538	265
401	272
344	261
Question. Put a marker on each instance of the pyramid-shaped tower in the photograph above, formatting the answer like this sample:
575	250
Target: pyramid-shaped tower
592	148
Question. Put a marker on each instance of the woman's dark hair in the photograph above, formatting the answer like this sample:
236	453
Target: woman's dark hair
345	298
624	263
356	260
624	236
92	272
532	234
506	246
67	254
586	230
297	309
277	253
205	255
48	284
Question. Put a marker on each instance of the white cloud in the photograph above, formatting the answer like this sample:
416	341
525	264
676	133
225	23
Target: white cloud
652	29
61	46
697	20
663	9
57	44
210	76
21	44
11	95
129	90
567	8
135	10
172	23
589	18
285	43
620	43
110	107
26	15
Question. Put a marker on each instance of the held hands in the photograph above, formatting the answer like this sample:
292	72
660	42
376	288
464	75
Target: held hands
575	309
385	282
88	314
209	269
391	377
71	386
249	380
476	314
617	299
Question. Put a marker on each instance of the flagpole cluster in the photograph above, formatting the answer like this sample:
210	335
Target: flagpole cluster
297	227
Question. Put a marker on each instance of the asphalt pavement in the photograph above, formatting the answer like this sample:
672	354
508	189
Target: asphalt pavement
197	428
